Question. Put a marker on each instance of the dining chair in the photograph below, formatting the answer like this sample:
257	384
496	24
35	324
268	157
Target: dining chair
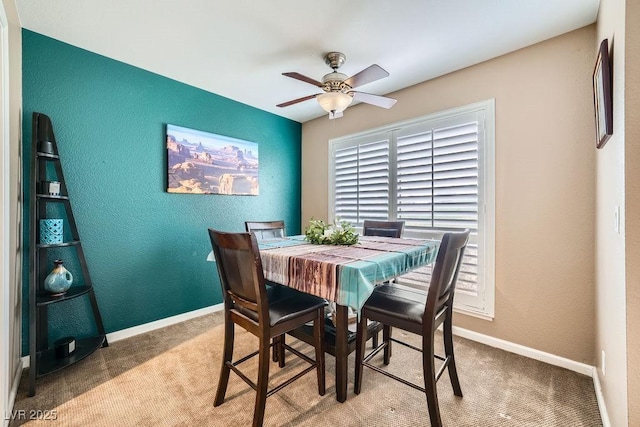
268	230
265	229
382	229
421	313
248	304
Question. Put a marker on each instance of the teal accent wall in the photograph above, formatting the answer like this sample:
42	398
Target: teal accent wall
146	249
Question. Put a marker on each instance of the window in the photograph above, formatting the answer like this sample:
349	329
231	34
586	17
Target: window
435	172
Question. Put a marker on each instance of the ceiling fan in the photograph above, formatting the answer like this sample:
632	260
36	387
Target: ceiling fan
338	88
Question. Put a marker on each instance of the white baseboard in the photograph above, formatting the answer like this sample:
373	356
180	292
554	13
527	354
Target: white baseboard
531	353
604	415
162	323
551	359
152	326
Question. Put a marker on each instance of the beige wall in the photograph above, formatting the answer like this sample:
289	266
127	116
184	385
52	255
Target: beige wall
610	255
632	205
544	191
15	125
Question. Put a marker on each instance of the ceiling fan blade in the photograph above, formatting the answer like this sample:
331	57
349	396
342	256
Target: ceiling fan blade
295	101
368	75
305	79
377	100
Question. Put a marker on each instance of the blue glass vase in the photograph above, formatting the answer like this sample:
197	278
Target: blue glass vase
59	280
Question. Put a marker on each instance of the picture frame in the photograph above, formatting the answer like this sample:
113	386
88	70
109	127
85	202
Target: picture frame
200	162
602	95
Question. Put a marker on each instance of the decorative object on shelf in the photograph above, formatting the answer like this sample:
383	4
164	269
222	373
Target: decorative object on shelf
52	188
206	163
602	100
51	231
338	233
59	280
64	347
45	139
45	147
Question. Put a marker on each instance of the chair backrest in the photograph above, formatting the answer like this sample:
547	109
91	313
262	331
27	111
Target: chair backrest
240	268
444	277
382	228
266	229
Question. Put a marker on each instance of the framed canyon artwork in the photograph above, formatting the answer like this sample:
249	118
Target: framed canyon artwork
200	162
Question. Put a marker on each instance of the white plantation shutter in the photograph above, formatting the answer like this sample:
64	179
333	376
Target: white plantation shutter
438	188
362	182
433	173
346	184
437	178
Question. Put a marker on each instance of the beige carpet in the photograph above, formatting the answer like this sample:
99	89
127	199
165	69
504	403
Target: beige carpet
168	377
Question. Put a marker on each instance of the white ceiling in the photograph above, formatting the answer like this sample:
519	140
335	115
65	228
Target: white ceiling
240	48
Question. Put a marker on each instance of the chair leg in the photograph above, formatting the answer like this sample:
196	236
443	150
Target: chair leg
274	349
227	354
318	334
374	340
386	338
280	350
448	349
361	345
429	372
262	382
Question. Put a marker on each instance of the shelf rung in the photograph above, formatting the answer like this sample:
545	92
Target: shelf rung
52	198
48	156
73	292
58	245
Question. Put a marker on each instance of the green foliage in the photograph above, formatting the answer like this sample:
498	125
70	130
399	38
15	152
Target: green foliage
338	233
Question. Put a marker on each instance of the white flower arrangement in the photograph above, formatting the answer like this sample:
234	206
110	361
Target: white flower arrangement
338	233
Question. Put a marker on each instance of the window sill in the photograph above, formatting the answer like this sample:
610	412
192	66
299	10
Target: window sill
477	314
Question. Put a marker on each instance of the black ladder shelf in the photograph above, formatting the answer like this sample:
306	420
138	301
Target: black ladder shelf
42	355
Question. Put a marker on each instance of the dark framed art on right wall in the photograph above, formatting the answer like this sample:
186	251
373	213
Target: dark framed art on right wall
602	95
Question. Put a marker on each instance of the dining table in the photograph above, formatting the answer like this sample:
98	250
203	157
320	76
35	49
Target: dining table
344	275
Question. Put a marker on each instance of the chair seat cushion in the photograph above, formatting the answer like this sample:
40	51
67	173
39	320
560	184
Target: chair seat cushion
398	301
285	303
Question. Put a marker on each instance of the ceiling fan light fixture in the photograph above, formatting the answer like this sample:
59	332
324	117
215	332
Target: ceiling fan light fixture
335	102
337	88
